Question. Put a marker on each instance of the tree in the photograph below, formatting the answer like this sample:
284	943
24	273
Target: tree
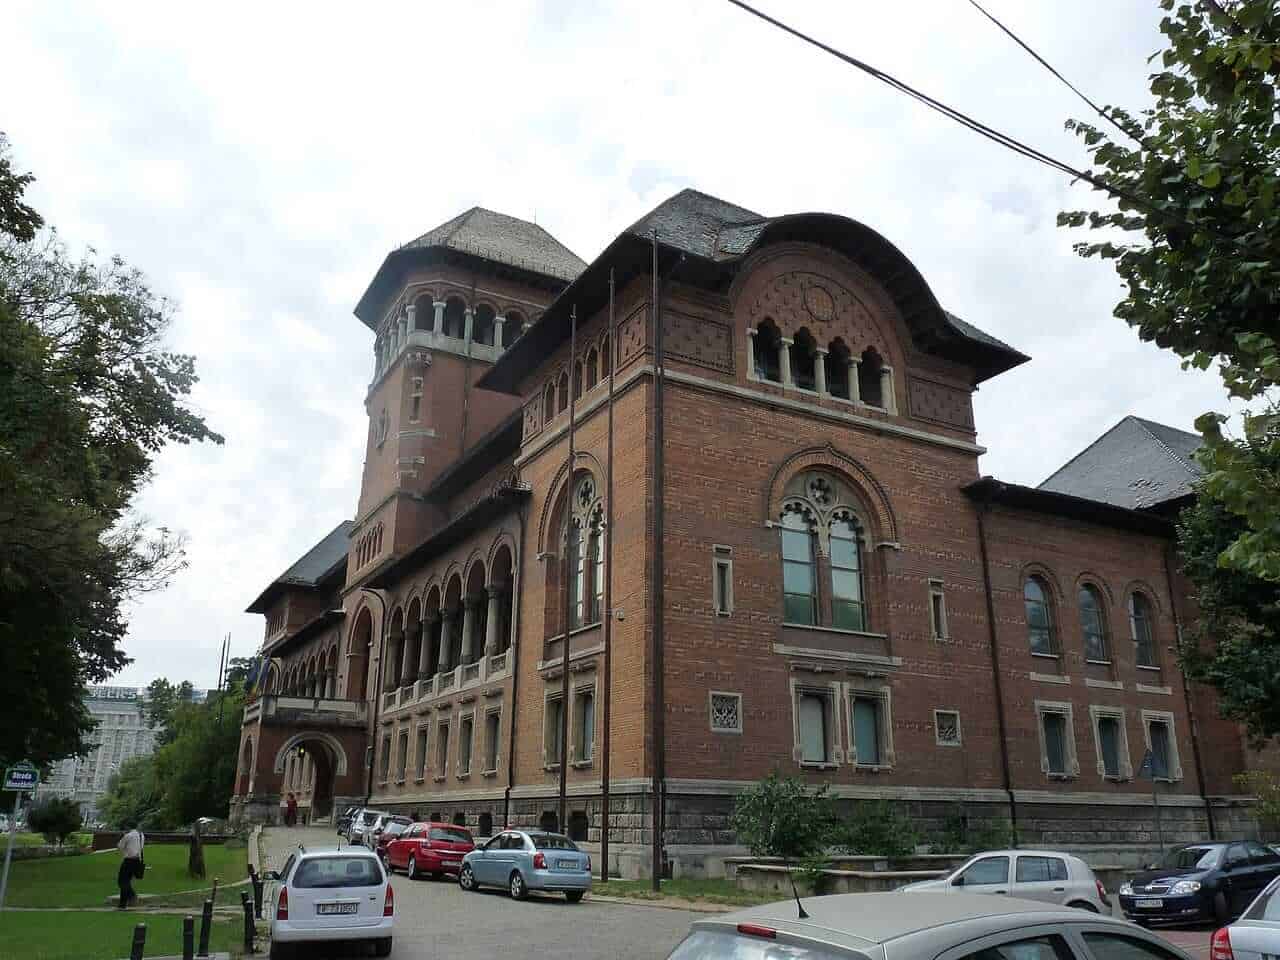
1195	236
1234	644
57	818
240	669
88	396
162	702
781	817
133	796
1266	787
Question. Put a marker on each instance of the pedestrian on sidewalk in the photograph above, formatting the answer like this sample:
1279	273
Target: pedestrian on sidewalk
291	811
131	863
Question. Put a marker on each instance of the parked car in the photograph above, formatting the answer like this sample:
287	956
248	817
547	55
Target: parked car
1047	875
344	820
523	861
429	848
930	926
1201	881
362	824
330	896
1256	935
386	830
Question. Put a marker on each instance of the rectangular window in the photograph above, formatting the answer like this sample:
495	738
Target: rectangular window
946	725
866	730
584	725
465	734
726	712
415	401
402	756
1161	767
492	727
722	581
385	769
577	567
553	734
422	752
847	609
1109	744
1055	742
442	750
937	610
814	723
797	576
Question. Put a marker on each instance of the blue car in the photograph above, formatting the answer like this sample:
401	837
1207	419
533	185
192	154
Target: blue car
523	861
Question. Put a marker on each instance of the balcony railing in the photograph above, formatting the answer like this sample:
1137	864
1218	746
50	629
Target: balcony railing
389	700
470	671
497	663
445	681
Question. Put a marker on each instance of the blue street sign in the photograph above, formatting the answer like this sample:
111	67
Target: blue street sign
22	776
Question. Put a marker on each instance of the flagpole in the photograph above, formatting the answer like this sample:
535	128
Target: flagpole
608	601
567	625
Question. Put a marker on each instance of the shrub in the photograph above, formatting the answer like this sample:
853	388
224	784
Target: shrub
781	817
959	834
877	828
57	818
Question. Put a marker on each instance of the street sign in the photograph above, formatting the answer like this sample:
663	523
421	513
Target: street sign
22	776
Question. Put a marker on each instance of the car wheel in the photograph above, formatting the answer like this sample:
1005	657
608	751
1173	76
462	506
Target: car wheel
437	875
1083	905
466	879
382	947
1220	910
573	896
412	869
281	951
516	885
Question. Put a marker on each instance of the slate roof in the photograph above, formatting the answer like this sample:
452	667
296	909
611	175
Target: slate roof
309	569
504	239
1137	464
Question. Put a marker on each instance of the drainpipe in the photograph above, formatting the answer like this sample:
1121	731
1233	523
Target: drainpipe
995	664
1186	692
517	582
377	693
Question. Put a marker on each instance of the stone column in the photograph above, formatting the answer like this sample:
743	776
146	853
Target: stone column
446	632
424	652
403	327
394	642
411	312
491	639
409	671
751	353
437	321
855	391
886	389
820	371
468	317
497	332
784	355
468	627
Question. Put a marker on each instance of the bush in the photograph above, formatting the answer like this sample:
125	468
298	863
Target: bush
959	834
781	817
57	818
877	828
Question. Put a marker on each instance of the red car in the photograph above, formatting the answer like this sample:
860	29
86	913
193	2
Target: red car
429	848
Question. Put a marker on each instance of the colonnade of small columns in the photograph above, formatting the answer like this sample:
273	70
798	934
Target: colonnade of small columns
888	398
395	334
440	628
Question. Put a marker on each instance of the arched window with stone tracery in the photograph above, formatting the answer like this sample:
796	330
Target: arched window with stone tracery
584	552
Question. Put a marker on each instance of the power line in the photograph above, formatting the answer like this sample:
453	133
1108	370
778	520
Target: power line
1045	63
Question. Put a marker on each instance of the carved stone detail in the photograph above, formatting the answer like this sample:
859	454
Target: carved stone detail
706	343
940	403
632	335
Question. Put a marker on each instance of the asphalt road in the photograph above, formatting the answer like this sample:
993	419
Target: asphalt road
437	919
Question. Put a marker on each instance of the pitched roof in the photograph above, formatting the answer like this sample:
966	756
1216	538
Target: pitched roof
309	569
504	239
1136	464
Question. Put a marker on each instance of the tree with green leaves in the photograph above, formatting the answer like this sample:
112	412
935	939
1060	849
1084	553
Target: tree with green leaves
781	817
88	395
57	818
162	700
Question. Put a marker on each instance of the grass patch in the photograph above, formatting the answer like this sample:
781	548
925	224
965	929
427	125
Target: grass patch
38	840
687	888
103	935
87	881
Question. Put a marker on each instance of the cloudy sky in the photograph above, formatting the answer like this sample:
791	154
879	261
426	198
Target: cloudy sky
258	160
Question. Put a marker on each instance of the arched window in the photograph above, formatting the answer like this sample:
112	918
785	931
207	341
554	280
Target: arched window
869	378
513	328
595	561
424	312
846	575
800	599
578	381
592	373
1140	626
606	357
768	352
837	361
585	554
1035	599
549	404
1092	624
562	392
455	318
804	358
482	325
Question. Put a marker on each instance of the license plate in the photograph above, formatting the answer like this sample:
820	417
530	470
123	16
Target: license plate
567	864
328	909
1149	904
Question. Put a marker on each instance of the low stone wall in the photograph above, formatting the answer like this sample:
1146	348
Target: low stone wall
770	878
934	864
108	840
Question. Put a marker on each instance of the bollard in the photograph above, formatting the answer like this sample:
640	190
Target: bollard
213	896
246	905
188	937
139	942
257	891
206	922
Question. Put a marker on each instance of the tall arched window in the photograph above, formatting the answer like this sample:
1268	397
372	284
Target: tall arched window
799	586
1035	599
768	352
1140	626
837	361
1093	624
562	393
576	562
846	575
482	325
869	370
513	328
595	559
549	404
455	318
585	554
804	360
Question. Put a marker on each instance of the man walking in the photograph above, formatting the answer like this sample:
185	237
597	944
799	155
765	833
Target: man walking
130	847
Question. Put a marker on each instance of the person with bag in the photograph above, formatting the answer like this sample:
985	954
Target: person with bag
131	864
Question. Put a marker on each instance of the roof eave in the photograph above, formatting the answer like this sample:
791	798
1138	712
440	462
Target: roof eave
989	490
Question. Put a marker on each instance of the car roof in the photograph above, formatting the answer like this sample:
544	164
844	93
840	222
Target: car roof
441	823
352	852
856	920
1023	852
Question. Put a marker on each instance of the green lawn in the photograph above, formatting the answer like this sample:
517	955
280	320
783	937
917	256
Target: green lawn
86	881
706	891
106	935
38	840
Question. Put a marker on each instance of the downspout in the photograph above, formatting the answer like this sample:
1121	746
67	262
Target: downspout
995	665
516	585
1186	693
377	694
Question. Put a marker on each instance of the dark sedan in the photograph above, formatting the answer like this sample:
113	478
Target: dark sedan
1200	882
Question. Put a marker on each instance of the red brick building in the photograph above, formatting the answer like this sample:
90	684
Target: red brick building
842	596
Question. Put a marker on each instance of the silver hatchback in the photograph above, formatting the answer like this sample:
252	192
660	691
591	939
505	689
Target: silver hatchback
925	926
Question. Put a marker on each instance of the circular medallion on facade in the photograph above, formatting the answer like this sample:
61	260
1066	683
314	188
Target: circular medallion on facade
819	303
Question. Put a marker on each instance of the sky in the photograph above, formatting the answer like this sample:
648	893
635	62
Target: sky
257	162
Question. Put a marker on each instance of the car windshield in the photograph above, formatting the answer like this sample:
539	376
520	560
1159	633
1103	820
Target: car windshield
452	834
717	945
1267	906
317	872
394	828
1191	857
547	841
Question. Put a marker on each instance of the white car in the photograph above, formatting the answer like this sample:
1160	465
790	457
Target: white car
330	895
1045	875
361	825
1256	934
